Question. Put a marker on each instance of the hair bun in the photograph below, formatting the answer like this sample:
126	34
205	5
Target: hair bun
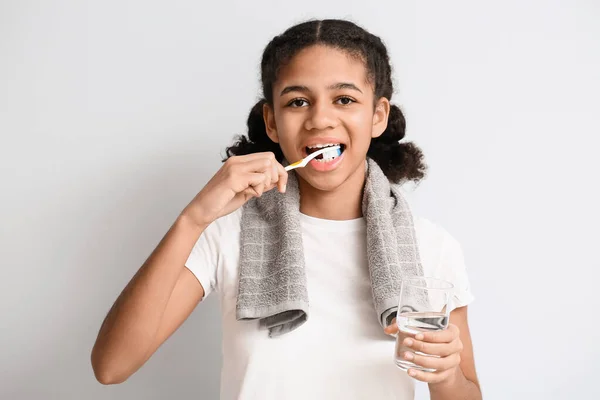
402	161
256	123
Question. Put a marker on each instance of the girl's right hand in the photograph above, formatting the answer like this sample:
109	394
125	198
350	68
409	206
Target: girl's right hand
237	181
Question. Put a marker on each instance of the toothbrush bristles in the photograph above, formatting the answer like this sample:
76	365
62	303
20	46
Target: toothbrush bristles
334	152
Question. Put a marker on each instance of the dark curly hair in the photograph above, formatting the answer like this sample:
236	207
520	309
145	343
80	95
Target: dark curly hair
399	161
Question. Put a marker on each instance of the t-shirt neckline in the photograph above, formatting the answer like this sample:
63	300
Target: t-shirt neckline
348	225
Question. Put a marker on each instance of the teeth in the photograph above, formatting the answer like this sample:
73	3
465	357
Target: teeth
328	156
320	146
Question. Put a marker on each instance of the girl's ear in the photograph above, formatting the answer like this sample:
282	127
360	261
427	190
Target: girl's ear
380	117
269	117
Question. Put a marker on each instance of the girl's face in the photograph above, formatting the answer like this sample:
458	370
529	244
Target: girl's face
322	96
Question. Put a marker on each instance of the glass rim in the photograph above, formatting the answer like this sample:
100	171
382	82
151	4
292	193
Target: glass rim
445	285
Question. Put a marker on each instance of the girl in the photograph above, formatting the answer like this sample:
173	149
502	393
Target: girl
307	263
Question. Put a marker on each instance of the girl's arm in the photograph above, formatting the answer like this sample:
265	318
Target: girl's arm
464	383
157	300
163	293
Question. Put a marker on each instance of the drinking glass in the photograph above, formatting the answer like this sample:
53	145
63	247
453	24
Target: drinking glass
423	307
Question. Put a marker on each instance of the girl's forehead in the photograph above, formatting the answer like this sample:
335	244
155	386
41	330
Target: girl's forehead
323	66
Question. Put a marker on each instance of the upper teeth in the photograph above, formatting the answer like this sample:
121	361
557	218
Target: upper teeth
320	146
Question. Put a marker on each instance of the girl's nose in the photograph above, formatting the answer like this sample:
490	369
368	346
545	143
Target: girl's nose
321	117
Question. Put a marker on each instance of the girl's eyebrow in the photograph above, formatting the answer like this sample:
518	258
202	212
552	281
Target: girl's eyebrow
295	88
305	89
344	85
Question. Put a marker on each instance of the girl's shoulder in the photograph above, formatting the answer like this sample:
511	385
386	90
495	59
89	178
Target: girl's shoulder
433	235
225	228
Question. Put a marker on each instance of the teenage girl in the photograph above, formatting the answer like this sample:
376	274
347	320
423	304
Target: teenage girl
324	82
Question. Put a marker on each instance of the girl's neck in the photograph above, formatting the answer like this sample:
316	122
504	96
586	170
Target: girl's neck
343	203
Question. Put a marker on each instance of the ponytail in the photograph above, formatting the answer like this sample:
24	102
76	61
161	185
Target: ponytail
399	161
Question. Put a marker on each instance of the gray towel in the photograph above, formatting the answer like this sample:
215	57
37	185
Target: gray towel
272	280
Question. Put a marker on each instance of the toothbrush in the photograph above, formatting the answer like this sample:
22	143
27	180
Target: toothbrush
333	151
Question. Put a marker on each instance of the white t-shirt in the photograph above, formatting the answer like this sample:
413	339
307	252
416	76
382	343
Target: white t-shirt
341	351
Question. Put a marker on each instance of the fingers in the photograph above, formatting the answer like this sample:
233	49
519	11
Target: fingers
262	181
439	351
435	353
444	336
270	181
251	157
274	172
283	178
435	349
391	329
431	377
262	165
256	183
437	363
253	174
251	166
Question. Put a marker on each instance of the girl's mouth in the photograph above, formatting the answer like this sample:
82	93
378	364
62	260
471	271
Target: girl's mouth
323	158
330	161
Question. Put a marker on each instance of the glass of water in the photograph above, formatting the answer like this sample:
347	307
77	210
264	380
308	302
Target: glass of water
424	306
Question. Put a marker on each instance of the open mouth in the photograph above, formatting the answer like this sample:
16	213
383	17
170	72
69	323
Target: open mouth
327	156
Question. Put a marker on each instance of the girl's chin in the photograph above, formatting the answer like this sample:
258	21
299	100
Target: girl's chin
329	181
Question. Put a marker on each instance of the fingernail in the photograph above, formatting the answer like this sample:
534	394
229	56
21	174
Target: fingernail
408	342
284	187
408	355
412	372
420	336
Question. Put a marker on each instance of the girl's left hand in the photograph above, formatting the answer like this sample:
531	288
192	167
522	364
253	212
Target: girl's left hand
445	344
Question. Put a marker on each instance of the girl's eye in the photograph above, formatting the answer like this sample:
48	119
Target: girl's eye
297	103
345	101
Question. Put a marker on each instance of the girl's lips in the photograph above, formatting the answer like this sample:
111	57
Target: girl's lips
325	166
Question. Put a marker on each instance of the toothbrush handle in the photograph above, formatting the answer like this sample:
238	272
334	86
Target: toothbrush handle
308	158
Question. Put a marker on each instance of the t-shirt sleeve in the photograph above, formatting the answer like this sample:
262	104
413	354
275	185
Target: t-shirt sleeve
453	269
203	259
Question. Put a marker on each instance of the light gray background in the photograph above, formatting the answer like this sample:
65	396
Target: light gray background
113	114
